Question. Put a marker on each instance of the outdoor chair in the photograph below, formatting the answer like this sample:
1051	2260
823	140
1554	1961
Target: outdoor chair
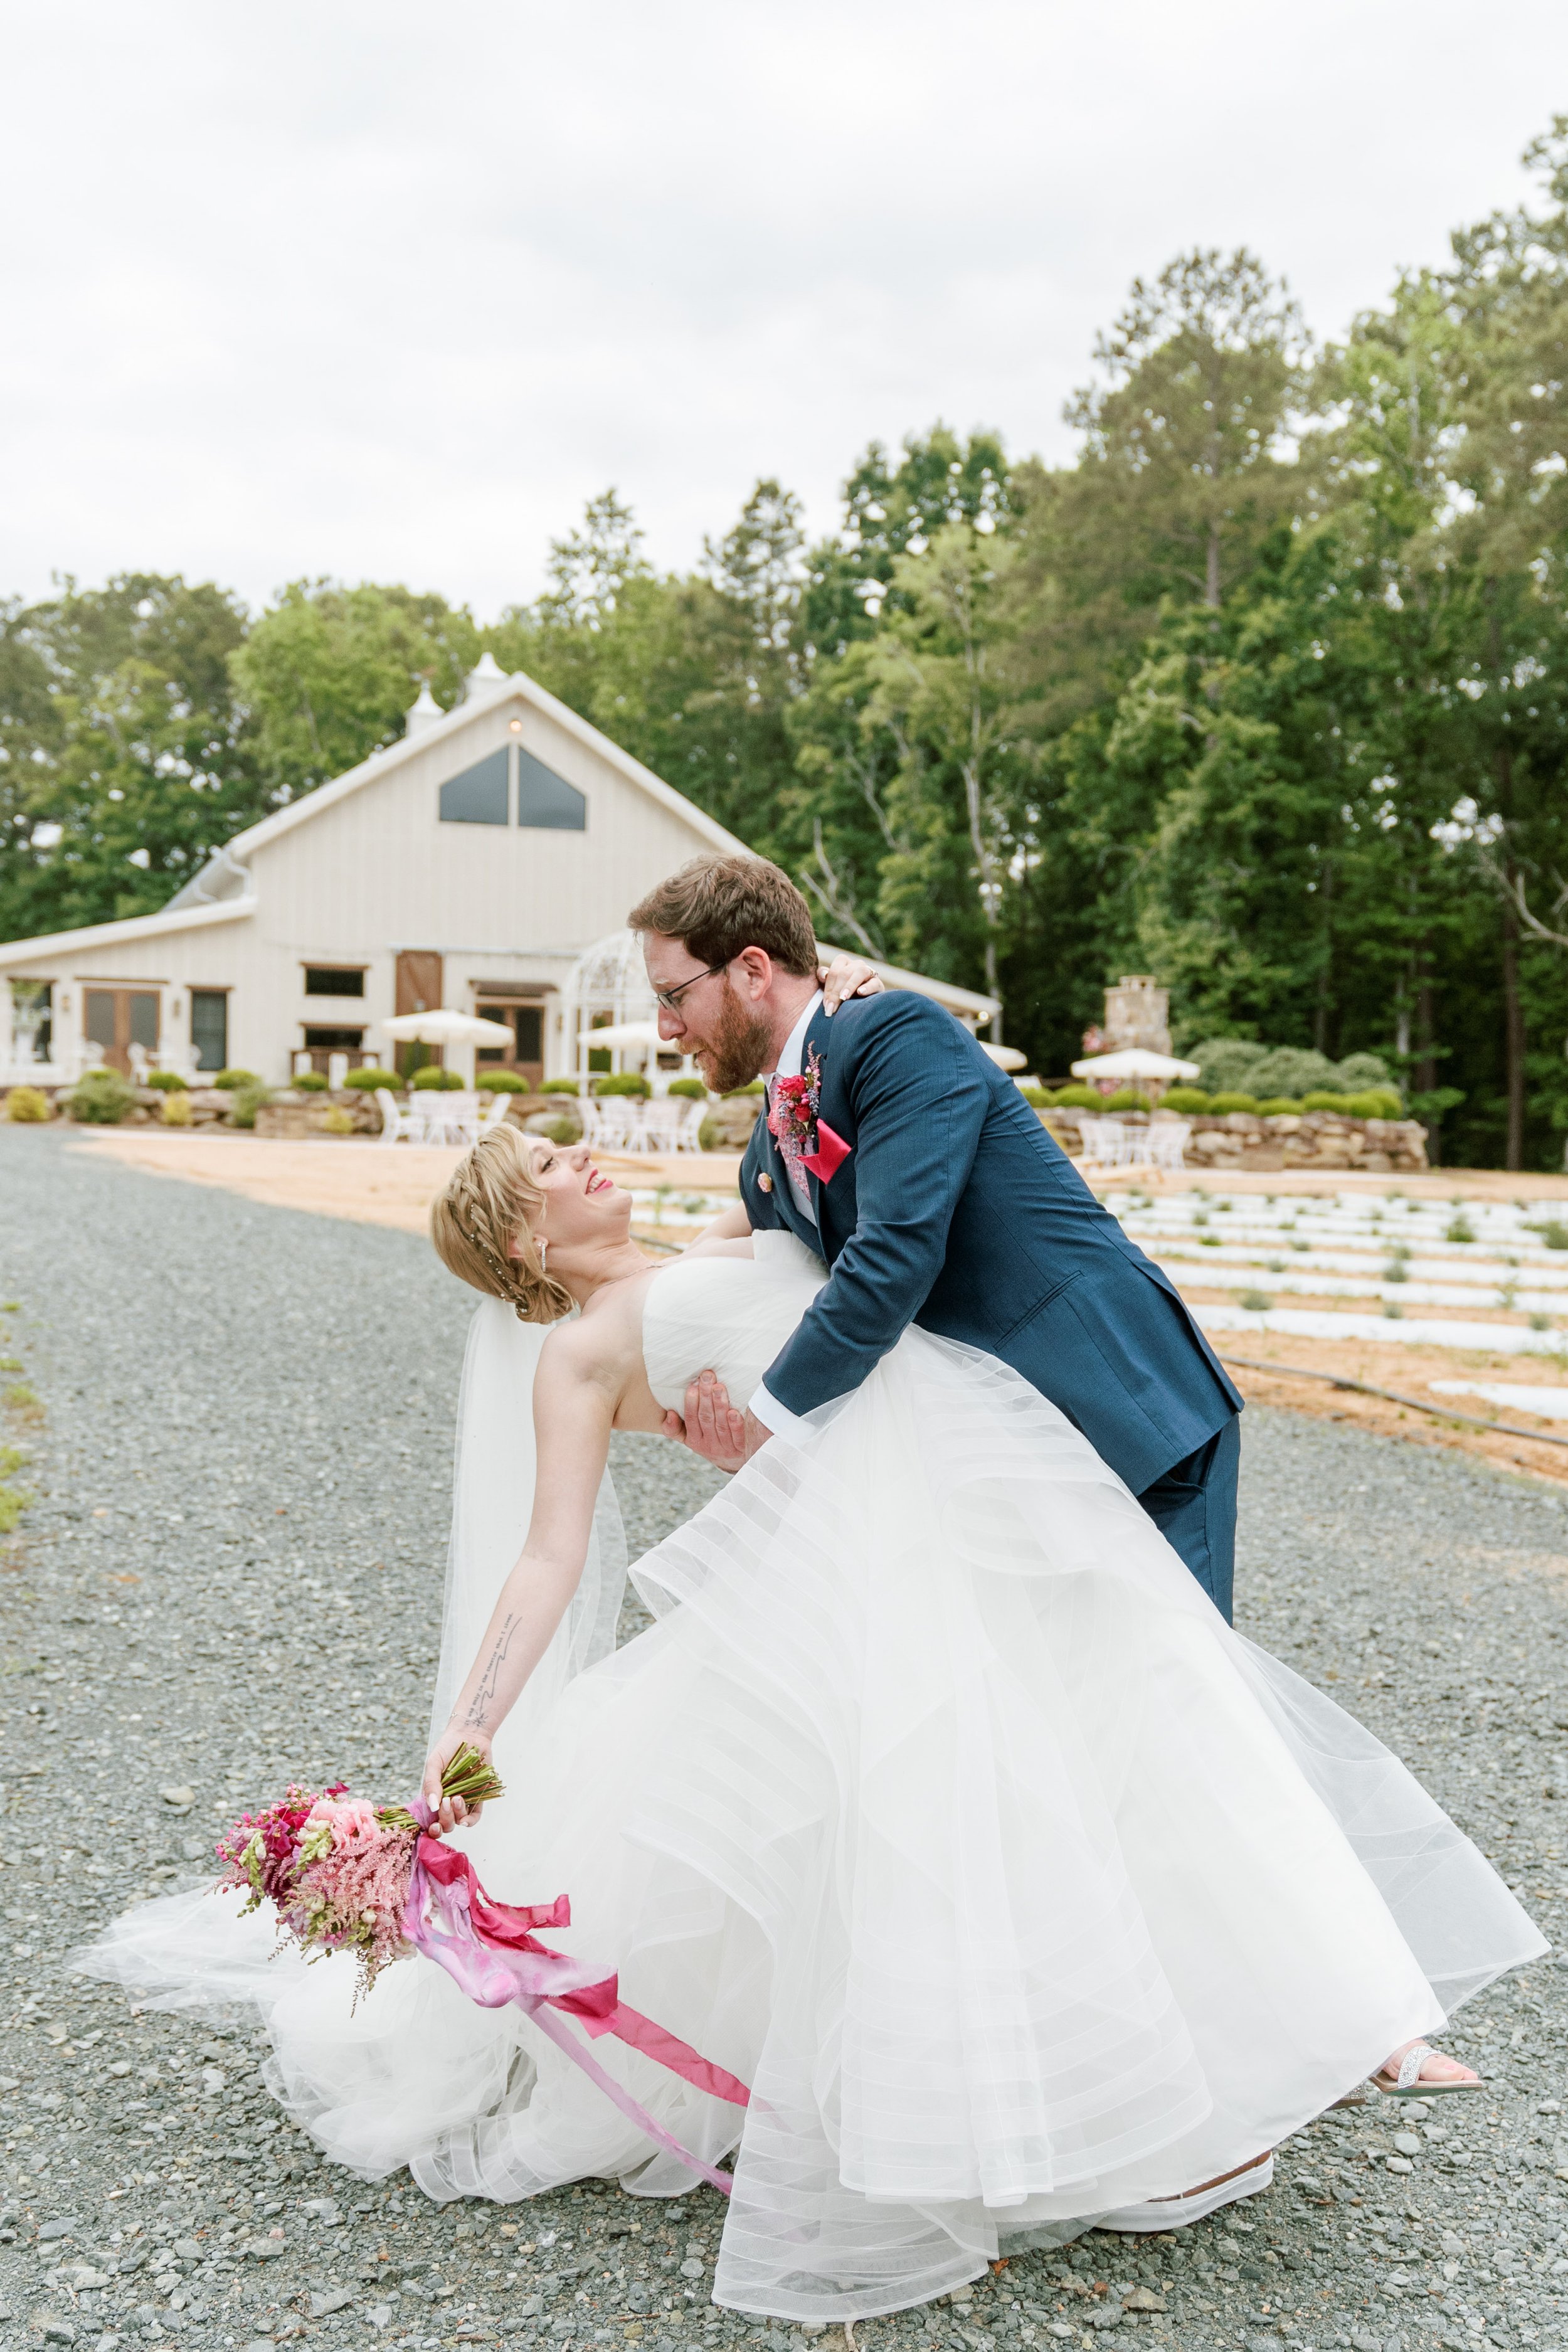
661	1123
1103	1142
608	1125
1168	1142
689	1136
452	1118
396	1126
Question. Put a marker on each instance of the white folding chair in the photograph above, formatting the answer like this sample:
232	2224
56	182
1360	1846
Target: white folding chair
689	1135
661	1120
396	1126
495	1117
1103	1142
612	1125
1168	1142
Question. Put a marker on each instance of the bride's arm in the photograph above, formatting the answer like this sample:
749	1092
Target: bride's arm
576	1393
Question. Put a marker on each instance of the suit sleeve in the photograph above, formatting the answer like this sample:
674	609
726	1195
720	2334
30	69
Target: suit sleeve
919	1100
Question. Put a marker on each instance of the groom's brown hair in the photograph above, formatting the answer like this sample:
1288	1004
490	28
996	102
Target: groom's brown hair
717	906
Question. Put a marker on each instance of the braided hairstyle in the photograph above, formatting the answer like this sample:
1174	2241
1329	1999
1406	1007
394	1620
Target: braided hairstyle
490	1200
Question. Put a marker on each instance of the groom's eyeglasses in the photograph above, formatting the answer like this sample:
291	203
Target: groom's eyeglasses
671	997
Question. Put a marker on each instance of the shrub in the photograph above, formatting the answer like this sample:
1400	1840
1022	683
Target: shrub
1459	1229
366	1080
1376	1102
1323	1099
559	1087
1126	1098
167	1082
431	1079
26	1107
1035	1095
337	1120
690	1089
565	1129
1290	1070
1359	1074
623	1082
502	1082
1077	1097
1224	1102
176	1111
757	1086
247	1101
1186	1099
1256	1302
100	1099
308	1082
232	1079
710	1136
1226	1064
1279	1105
1552	1231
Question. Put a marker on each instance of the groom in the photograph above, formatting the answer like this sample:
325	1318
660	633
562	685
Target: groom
903	1157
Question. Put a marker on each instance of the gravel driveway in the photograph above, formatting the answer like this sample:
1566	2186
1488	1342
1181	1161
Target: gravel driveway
244	1425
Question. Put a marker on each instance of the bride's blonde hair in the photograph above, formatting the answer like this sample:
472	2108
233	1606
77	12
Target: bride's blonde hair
490	1200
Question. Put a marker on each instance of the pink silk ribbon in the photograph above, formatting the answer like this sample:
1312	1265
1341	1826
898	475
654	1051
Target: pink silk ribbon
489	1952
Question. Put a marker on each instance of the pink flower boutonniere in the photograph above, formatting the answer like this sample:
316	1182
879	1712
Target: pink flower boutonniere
805	1140
791	1119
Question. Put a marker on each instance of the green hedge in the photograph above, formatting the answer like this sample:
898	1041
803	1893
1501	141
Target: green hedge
623	1082
1076	1098
247	1101
502	1082
1188	1100
431	1079
692	1089
100	1099
1222	1104
168	1082
308	1082
559	1087
230	1079
365	1080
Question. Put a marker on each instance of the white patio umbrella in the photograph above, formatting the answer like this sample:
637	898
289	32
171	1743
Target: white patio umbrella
444	1027
624	1032
1135	1062
1007	1057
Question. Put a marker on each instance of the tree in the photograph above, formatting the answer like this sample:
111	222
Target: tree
125	758
328	672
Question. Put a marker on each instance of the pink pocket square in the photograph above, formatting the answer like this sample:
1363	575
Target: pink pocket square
831	1154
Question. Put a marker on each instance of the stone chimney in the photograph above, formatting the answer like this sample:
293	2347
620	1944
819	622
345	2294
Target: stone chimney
1137	1012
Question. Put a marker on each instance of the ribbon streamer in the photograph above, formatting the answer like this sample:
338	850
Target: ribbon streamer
491	1953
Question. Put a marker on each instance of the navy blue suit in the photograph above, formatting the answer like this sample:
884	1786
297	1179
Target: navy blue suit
956	1211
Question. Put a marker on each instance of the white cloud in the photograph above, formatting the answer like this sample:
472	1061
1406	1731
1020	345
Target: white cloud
386	291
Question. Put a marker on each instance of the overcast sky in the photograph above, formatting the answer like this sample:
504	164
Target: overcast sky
385	291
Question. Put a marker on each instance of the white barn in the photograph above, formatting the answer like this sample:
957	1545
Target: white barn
485	863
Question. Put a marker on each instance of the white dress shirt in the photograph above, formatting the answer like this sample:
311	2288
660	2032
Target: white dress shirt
773	1416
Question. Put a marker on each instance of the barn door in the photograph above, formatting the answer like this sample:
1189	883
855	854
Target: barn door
419	990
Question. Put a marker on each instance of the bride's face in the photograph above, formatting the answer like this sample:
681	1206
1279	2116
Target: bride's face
580	1204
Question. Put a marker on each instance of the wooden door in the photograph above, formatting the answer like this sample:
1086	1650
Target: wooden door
118	1018
419	990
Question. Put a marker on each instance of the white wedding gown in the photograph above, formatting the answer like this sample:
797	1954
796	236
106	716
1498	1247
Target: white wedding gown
941	1807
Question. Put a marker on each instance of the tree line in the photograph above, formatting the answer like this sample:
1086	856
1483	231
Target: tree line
1265	691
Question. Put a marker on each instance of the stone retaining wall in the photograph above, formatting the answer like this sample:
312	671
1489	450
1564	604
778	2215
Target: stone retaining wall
1241	1142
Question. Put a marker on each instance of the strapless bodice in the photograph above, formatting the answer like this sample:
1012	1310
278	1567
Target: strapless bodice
727	1315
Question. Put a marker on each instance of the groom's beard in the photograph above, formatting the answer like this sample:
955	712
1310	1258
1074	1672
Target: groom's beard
738	1046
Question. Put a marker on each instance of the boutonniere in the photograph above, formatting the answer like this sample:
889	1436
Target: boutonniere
791	1116
793	1123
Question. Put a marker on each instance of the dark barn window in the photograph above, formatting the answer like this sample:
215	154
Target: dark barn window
547	801
209	1027
478	796
332	979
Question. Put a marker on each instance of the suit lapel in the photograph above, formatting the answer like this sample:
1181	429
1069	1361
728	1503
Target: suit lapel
818	1032
784	1198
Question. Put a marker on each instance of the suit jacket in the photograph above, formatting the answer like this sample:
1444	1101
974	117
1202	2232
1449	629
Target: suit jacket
956	1211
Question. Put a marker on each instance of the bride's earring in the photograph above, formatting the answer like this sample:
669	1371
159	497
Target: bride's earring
544	1248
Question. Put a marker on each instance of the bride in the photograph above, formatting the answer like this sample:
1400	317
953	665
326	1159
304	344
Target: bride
940	1805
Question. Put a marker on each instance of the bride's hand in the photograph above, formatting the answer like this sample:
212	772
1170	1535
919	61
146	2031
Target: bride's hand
712	1427
451	1812
845	976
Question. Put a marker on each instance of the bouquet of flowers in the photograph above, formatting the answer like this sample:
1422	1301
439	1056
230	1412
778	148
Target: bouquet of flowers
344	1874
338	1869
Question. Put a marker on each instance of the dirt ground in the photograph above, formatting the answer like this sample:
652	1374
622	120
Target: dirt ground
395	1187
370	1183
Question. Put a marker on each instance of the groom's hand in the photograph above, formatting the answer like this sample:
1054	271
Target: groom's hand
712	1427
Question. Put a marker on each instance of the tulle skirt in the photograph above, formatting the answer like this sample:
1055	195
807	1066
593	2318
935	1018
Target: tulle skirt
941	1806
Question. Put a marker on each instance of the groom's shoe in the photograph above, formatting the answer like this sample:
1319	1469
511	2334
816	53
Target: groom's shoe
1176	2212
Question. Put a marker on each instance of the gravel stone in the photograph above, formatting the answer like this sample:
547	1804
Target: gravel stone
247	1422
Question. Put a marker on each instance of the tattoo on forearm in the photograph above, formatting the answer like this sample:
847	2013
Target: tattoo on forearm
483	1699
